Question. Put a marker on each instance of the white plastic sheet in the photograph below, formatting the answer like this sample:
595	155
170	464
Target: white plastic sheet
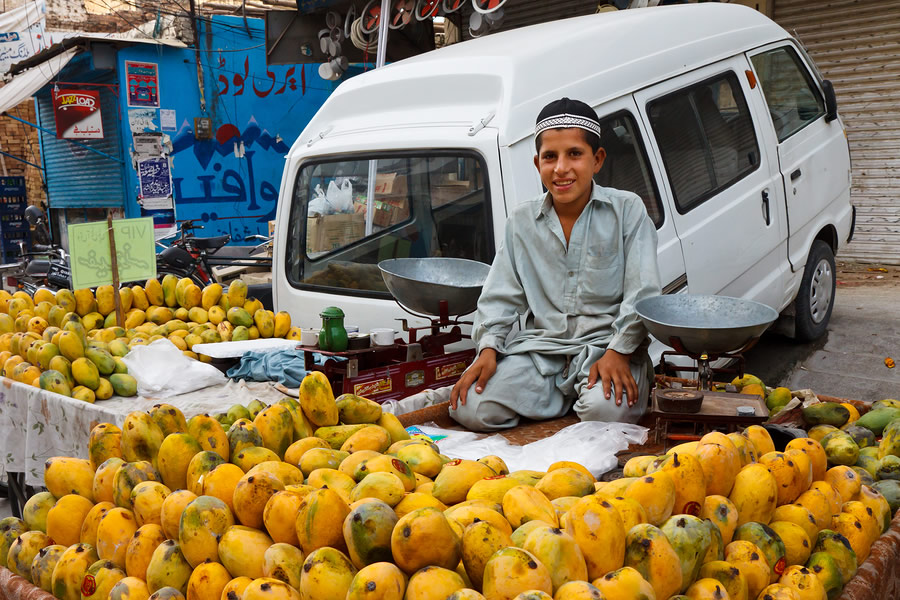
162	370
593	444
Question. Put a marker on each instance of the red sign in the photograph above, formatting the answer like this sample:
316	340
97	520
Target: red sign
77	114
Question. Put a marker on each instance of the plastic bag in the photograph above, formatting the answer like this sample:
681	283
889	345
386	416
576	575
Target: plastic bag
593	444
340	199
318	205
153	367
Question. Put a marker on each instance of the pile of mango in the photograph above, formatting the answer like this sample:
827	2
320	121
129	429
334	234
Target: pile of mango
330	499
71	342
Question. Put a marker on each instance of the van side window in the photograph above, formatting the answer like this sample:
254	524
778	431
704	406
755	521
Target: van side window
706	138
626	166
793	99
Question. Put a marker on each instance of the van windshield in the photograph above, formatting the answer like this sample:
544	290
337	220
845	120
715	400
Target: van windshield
348	214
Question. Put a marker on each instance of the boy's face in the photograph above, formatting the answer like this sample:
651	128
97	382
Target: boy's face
567	165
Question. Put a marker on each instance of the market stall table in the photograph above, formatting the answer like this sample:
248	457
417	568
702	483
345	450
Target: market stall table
36	424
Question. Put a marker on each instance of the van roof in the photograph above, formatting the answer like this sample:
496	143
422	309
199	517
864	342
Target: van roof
514	74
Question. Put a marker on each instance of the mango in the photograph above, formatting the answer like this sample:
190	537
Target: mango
320	519
511	571
210	434
524	503
244	434
317	400
276	428
168	568
877	419
327	574
754	494
381	462
207	582
720	461
560	553
63	475
729	576
688	479
43	564
382	581
649	552
172	509
804	582
248	458
410	549
752	564
826	570
127	476
147	499
70	570
54	381
140	550
625	584
34	512
203	522
434	583
656	493
24	549
690	538
839	548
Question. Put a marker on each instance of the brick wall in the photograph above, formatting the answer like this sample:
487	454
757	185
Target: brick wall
21	140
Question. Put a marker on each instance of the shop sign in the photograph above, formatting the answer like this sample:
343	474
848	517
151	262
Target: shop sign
143	84
90	256
77	114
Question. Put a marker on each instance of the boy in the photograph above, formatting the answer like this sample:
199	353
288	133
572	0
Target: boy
574	262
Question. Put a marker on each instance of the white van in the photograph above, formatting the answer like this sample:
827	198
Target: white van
711	112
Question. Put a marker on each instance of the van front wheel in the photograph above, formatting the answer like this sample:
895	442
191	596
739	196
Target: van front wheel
815	299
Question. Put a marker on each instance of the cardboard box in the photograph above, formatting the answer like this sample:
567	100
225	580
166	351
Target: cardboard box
271	228
330	232
390	184
448	192
390	211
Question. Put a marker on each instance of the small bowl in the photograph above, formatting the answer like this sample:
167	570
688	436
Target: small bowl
309	337
358	341
679	401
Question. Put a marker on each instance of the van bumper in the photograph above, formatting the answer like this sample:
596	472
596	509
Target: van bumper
852	225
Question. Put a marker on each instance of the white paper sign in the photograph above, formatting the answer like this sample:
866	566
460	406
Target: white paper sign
167	119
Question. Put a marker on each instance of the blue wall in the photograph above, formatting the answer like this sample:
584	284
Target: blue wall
263	108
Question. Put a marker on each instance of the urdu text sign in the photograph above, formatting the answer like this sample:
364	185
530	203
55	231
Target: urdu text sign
89	252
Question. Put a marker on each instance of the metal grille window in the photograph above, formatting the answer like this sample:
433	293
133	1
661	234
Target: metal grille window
792	98
706	138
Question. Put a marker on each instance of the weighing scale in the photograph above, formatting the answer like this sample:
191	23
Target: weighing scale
441	290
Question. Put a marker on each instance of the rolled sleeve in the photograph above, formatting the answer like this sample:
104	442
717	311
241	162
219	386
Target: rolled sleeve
641	278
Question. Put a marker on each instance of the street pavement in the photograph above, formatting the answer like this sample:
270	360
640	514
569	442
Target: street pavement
849	361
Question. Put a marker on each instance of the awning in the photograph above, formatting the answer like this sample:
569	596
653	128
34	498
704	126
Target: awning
24	85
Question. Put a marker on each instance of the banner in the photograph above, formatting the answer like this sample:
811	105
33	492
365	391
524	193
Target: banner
77	114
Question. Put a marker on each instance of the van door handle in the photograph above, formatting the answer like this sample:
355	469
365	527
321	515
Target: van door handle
765	201
795	174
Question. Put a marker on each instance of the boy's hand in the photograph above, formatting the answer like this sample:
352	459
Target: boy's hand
481	370
613	369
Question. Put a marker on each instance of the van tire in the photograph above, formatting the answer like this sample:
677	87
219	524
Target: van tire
815	300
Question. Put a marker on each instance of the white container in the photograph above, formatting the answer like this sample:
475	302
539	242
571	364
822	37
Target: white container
309	337
382	336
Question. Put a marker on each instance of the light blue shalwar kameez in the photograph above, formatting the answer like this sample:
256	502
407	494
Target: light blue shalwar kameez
577	301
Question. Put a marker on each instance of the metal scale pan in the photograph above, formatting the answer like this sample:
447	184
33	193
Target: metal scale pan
420	284
705	327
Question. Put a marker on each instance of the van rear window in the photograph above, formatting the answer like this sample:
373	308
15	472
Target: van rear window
706	138
348	214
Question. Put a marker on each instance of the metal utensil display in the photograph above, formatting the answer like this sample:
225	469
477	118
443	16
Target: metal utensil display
419	284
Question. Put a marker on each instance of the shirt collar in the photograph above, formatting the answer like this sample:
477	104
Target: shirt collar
546	205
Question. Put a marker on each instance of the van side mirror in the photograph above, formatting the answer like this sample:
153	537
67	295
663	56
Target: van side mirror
830	101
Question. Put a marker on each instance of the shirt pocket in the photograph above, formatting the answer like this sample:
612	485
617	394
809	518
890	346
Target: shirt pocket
602	283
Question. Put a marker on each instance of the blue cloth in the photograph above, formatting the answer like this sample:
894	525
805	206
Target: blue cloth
285	366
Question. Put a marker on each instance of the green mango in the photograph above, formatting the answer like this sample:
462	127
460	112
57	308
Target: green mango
826	413
877	419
